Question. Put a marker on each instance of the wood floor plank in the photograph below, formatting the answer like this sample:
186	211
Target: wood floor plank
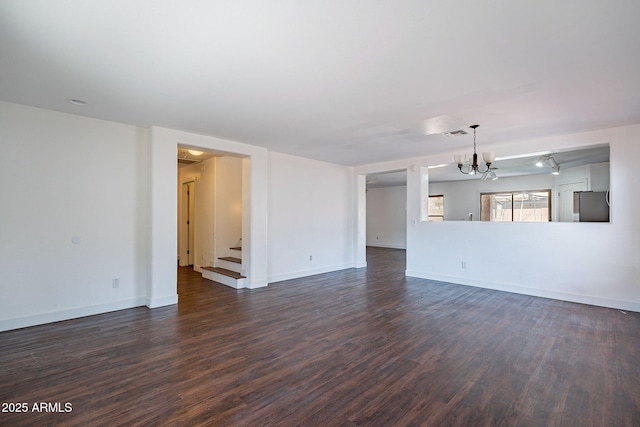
353	347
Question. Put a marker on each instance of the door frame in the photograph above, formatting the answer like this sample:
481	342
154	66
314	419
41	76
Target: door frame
560	203
186	246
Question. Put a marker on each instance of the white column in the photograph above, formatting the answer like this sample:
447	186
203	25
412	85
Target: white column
164	221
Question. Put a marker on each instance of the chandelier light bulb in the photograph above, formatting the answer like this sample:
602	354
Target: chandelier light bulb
471	167
489	156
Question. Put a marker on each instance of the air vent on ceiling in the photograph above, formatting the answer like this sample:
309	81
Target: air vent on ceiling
186	161
456	132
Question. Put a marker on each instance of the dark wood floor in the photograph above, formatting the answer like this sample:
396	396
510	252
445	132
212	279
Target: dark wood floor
355	347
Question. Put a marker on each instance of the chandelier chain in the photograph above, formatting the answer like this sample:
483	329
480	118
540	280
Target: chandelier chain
474	140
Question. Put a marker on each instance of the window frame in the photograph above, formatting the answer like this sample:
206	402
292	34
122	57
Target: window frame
549	191
429	215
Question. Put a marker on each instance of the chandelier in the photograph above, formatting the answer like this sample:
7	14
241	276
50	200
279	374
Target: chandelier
471	167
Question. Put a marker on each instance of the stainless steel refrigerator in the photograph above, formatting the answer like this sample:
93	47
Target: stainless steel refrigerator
591	206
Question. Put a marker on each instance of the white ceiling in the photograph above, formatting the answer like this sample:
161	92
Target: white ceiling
349	82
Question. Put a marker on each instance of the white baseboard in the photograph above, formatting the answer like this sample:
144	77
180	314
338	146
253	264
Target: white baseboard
386	245
255	284
544	293
305	273
73	313
155	302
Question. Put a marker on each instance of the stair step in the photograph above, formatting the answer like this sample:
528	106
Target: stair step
237	248
231	259
225	272
223	276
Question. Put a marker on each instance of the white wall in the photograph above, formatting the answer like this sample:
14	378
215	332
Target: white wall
162	220
228	206
66	179
112	189
387	217
599	177
310	215
594	263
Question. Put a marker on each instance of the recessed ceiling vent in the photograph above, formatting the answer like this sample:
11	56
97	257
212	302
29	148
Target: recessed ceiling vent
456	132
186	161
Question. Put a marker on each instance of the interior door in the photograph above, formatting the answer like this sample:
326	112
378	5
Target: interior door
191	209
186	227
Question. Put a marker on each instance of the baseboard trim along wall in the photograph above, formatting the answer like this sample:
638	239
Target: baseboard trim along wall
255	284
305	273
386	245
155	302
73	313
543	293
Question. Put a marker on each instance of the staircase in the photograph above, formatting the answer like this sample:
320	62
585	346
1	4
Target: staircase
227	270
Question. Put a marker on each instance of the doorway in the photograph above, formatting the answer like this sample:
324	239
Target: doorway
386	211
210	216
187	224
565	199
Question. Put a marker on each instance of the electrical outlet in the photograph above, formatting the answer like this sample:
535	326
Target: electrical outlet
463	264
310	257
115	283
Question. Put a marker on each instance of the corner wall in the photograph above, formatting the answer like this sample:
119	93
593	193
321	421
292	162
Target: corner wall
86	201
74	203
592	263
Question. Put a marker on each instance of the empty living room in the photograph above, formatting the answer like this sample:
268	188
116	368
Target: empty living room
319	213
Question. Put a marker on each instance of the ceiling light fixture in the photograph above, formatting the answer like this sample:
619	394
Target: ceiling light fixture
196	152
547	159
472	168
490	175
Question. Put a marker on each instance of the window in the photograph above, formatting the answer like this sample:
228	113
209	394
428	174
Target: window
436	208
518	206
